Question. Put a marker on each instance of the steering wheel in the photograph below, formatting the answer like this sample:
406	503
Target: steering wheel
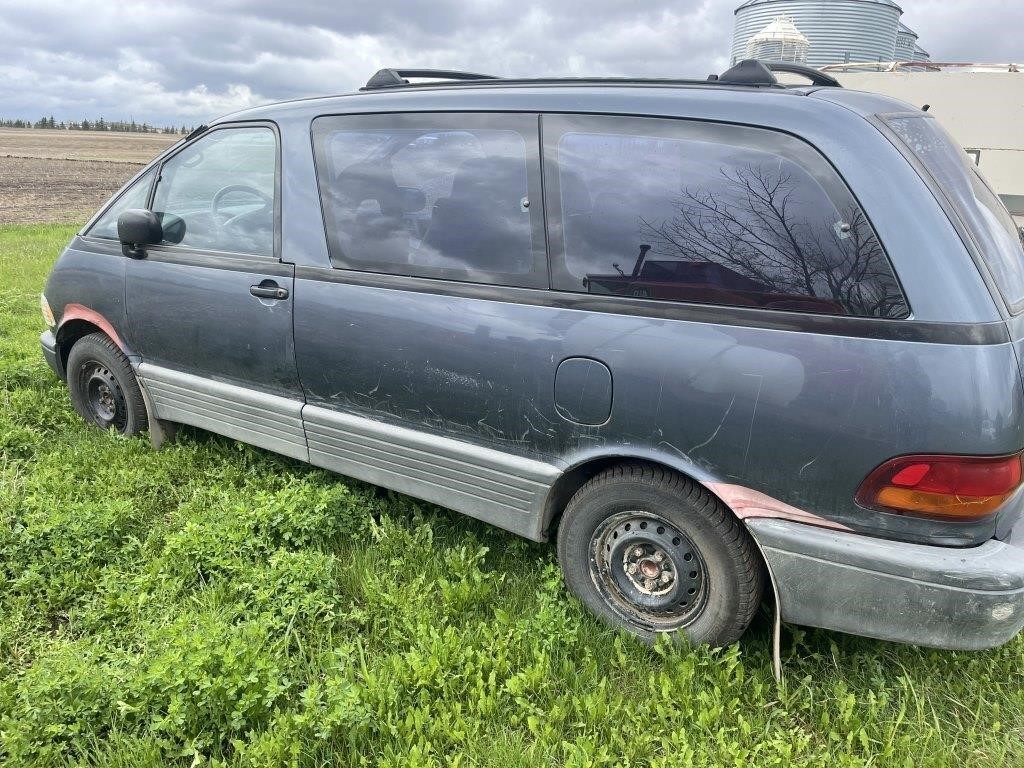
223	192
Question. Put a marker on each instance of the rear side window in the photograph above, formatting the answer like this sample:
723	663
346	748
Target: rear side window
433	195
683	211
136	196
980	211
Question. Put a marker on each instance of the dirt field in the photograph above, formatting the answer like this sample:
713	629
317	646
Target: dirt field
51	176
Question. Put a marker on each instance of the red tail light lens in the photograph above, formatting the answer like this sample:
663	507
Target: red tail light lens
942	487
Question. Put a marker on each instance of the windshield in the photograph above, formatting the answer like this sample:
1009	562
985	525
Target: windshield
981	211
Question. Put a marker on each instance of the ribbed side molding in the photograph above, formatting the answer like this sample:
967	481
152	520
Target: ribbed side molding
499	488
267	421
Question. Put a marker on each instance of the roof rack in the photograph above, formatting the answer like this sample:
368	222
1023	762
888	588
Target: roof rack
389	78
755	72
749	72
816	76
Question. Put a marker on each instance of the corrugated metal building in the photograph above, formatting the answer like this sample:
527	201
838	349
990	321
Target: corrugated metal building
907	48
838	30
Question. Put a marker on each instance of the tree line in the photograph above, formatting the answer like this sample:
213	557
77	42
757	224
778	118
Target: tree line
129	126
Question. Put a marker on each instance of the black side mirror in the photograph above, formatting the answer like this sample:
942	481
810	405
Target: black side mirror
137	228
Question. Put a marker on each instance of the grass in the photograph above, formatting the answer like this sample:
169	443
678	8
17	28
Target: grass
216	604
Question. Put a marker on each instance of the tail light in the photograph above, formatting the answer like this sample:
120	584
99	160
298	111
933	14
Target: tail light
942	487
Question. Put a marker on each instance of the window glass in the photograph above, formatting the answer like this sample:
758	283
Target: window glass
218	193
980	210
435	196
716	214
136	196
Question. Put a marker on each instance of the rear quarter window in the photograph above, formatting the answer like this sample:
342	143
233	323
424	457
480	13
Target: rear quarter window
987	223
684	211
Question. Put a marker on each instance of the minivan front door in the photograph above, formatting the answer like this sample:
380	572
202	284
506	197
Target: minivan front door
210	308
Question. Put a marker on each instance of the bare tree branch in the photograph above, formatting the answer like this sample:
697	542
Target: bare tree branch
758	226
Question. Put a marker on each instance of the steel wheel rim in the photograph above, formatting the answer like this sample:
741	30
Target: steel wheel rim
648	571
103	397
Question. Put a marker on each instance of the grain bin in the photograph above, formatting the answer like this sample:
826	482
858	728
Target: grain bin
838	30
907	48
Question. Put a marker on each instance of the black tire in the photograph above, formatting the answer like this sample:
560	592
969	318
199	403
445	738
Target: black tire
652	552
103	386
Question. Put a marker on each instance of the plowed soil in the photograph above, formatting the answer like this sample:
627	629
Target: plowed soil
54	176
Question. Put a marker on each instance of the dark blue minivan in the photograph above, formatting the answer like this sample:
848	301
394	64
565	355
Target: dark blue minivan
711	336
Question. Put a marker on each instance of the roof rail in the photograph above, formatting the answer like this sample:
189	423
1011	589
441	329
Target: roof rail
816	76
388	78
757	72
749	72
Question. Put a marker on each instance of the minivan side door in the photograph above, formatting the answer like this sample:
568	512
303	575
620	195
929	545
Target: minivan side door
419	368
210	309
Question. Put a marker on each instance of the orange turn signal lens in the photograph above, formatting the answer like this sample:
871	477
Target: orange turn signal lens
942	487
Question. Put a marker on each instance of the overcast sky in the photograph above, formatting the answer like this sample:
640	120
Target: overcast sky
192	60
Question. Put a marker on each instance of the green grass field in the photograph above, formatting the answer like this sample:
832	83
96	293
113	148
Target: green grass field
216	604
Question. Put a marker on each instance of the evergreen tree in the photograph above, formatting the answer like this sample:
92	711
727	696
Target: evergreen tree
100	124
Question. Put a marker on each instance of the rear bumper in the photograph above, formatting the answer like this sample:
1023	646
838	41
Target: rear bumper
49	345
965	599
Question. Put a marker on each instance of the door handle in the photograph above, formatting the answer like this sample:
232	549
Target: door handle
268	289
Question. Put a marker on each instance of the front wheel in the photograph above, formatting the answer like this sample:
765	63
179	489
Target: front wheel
651	551
103	386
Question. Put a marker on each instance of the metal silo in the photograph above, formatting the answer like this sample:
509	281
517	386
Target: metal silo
838	30
906	44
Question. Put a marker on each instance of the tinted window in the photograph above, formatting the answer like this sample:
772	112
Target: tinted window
979	209
433	195
136	196
683	211
218	193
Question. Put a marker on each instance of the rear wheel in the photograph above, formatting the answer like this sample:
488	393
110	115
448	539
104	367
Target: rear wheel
103	386
651	551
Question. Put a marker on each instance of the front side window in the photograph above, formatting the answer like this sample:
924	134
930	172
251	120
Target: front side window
683	211
444	196
983	214
218	193
136	196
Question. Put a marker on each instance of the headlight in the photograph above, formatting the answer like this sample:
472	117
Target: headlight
44	305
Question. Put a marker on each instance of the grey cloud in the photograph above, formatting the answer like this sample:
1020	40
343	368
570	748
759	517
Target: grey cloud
969	30
192	60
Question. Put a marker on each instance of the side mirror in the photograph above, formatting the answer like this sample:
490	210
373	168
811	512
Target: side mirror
137	228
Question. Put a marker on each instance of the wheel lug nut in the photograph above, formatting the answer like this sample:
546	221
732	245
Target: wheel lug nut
631	568
659	556
638	552
666	578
